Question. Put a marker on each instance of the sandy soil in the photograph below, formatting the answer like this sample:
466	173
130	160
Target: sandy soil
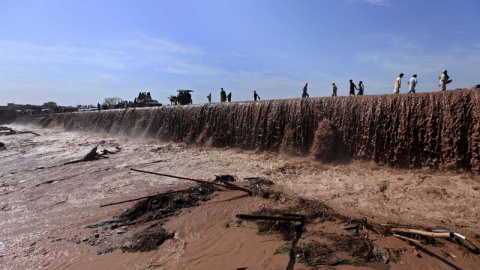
44	206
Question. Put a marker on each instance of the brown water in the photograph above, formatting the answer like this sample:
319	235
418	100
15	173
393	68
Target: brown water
44	211
434	130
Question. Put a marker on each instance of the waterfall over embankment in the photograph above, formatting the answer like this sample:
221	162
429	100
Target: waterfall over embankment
436	130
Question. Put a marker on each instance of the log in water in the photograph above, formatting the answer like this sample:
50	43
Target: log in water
437	130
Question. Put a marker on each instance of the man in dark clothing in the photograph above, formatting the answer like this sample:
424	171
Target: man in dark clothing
223	96
304	93
353	87
255	96
229	97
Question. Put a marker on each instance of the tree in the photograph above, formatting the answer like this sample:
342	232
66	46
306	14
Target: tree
49	105
112	102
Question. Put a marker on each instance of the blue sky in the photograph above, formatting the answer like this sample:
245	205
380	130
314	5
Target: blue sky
80	52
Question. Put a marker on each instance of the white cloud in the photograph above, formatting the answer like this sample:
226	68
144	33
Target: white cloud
119	68
29	53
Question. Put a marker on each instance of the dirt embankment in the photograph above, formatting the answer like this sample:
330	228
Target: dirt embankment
435	130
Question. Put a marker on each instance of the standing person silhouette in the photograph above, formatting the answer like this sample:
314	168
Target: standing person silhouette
223	96
209	97
304	93
229	97
361	87
398	84
444	79
352	88
255	96
412	83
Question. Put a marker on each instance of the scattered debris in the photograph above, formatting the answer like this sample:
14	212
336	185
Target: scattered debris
226	179
406	238
6	131
142	224
141	228
146	197
282	225
229	186
93	155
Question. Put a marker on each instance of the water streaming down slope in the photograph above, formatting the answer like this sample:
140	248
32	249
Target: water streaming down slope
436	130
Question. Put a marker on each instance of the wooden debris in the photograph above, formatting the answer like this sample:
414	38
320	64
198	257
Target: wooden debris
294	218
447	235
406	238
93	155
231	186
146	197
11	131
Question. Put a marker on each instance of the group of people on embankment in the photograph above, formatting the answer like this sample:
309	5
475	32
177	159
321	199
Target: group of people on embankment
443	80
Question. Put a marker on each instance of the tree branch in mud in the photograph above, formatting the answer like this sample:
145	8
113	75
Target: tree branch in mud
230	186
446	235
452	236
93	155
146	197
11	131
298	218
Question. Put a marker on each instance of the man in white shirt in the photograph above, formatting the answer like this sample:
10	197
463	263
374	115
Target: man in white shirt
444	79
412	83
398	84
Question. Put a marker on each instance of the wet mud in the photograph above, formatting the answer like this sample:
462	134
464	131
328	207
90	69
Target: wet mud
433	130
51	217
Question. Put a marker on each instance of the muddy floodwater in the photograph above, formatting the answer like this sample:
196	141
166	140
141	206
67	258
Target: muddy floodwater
45	206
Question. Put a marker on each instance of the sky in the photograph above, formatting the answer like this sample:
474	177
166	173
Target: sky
81	52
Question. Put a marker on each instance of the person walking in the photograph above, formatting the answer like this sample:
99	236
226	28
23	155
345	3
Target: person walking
304	93
360	88
209	97
334	94
223	96
352	88
229	97
412	83
398	84
444	79
255	96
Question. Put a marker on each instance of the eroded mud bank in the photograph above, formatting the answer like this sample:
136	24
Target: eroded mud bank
436	130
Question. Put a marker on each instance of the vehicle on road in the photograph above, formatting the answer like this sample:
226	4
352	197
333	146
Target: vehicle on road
184	97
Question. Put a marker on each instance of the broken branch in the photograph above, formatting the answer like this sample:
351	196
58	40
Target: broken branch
424	233
146	197
284	218
198	181
406	238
